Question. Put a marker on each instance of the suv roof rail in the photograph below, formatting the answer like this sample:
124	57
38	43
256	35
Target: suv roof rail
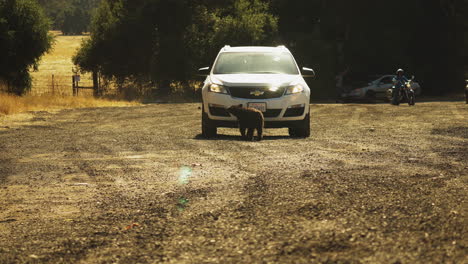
282	47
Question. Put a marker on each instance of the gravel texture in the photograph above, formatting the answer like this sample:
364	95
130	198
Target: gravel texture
374	184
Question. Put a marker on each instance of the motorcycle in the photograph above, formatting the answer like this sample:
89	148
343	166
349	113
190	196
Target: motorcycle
466	92
406	93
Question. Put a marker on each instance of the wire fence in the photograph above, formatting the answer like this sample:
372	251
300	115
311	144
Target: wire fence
51	83
56	84
60	84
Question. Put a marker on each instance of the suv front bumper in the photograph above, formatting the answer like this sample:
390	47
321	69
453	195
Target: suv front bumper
268	124
279	110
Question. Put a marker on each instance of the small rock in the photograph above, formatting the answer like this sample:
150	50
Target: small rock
80	184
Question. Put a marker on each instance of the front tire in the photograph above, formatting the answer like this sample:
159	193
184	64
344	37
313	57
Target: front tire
209	129
389	96
302	131
411	98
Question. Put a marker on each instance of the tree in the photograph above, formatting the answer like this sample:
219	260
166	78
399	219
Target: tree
72	17
235	23
24	38
138	41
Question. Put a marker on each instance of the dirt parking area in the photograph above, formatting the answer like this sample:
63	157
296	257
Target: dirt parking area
374	184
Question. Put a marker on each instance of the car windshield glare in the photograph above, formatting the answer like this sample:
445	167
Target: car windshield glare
255	63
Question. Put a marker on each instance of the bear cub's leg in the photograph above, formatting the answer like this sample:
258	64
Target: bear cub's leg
250	134
242	131
260	132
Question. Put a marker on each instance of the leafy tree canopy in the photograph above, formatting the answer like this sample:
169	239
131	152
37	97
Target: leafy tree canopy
161	41
24	38
72	17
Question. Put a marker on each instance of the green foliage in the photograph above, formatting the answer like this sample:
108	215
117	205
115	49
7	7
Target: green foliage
249	24
24	38
72	17
121	43
139	41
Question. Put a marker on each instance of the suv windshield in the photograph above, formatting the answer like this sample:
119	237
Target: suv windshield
255	63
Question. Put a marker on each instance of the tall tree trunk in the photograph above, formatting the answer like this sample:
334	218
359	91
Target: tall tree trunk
96	88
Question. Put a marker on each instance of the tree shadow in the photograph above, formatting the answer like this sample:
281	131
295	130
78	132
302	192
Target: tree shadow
460	132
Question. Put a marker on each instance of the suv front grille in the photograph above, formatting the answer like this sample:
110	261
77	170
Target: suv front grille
256	92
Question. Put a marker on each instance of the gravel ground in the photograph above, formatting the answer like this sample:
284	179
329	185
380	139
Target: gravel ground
374	184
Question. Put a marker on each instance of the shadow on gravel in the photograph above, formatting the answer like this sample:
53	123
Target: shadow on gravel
5	169
456	150
449	98
238	138
461	132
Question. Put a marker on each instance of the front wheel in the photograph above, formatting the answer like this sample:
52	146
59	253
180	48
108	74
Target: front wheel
209	129
411	98
389	95
396	97
302	131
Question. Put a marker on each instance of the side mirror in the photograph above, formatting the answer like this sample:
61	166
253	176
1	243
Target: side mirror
308	72
203	72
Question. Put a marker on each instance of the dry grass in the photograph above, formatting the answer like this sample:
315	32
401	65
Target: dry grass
56	68
10	104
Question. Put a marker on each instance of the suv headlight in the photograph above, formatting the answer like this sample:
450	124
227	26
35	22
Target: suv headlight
216	88
294	89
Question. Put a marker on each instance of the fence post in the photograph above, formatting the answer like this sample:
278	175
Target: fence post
73	86
53	84
96	84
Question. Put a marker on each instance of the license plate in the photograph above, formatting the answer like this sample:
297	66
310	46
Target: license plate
259	106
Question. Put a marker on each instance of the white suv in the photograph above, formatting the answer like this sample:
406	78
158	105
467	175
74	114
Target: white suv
266	78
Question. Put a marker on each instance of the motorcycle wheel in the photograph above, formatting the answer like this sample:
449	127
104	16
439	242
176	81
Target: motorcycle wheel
395	100
411	100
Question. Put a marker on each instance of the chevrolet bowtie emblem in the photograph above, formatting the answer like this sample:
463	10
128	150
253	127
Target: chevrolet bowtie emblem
257	93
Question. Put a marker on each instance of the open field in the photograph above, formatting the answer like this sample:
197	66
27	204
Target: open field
55	69
374	184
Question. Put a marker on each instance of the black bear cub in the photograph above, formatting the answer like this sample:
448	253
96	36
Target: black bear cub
249	119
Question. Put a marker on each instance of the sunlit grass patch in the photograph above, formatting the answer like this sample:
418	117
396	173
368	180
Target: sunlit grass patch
55	70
